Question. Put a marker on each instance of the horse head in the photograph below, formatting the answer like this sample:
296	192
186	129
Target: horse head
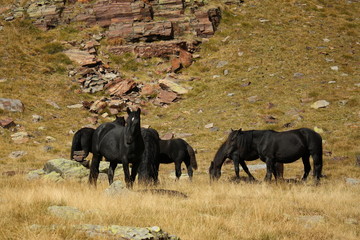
214	171
132	128
120	121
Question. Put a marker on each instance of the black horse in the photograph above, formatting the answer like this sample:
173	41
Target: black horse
178	151
149	166
118	144
82	140
271	147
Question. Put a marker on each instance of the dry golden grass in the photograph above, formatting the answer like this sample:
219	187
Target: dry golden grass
292	41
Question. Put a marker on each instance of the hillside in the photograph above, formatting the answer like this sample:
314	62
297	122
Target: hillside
263	68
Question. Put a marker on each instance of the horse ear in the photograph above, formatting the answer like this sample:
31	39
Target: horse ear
231	129
240	129
139	111
128	110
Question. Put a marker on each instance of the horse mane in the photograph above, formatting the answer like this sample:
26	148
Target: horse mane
220	155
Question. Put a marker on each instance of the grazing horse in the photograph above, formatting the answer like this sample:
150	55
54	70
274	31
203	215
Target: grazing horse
118	144
272	147
178	151
149	166
82	140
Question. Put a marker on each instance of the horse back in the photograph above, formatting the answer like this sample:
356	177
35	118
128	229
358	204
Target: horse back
284	146
171	149
107	140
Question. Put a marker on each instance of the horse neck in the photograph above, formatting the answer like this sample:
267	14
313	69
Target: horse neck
220	156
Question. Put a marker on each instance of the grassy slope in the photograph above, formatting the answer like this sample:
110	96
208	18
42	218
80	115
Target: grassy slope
292	41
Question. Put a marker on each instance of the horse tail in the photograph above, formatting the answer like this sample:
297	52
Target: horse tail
314	143
76	143
191	152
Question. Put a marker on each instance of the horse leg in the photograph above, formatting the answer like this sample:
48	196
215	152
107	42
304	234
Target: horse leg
177	169
94	169
111	172
318	163
279	168
236	167
307	167
134	170
270	164
245	168
127	174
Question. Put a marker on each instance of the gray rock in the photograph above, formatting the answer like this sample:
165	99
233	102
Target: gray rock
12	105
334	68
36	174
352	181
103	232
53	177
17	154
66	168
117	188
74	106
209	125
221	64
52	103
20	137
298	75
320	104
253	99
48	148
36	118
49	139
65	212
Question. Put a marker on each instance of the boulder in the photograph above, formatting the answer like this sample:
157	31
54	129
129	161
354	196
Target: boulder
11	105
7	123
66	168
120	87
167	83
20	137
35	174
46	14
53	177
83	58
141	31
117	188
320	104
166	96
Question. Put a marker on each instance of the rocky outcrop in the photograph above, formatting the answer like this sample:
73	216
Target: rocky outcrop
46	13
58	170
